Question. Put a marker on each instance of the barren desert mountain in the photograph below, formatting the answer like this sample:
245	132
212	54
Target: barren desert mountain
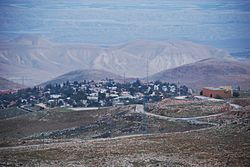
41	60
132	57
81	75
208	72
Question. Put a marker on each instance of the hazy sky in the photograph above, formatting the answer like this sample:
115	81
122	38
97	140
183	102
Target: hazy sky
221	23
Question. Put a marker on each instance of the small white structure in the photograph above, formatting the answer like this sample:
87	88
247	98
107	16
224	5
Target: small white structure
180	97
92	98
55	96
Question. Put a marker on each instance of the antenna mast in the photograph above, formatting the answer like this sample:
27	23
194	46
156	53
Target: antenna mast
124	78
147	69
145	106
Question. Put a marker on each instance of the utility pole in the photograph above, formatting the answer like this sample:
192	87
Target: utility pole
124	78
21	80
147	69
145	107
178	87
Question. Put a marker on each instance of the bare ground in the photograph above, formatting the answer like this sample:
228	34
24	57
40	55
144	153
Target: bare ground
167	143
228	145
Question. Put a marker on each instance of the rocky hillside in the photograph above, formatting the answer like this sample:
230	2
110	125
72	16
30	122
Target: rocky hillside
209	72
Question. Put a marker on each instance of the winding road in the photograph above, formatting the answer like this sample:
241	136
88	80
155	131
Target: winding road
192	120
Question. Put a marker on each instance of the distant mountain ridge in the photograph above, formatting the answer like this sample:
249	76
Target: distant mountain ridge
41	60
6	84
208	72
81	75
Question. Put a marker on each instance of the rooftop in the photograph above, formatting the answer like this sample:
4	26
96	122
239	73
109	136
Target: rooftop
213	88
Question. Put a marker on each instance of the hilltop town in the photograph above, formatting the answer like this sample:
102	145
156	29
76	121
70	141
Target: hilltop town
92	94
125	83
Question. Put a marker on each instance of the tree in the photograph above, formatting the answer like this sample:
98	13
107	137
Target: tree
48	87
68	91
236	94
183	90
201	93
78	96
137	83
158	82
132	91
101	96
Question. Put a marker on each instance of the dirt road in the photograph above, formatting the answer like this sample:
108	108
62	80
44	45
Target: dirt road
193	120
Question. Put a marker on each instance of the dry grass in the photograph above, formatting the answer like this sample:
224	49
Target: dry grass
225	146
188	108
184	145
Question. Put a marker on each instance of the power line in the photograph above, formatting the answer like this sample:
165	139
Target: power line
145	120
20	80
124	77
147	69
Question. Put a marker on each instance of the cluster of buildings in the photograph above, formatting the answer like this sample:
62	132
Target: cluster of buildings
110	93
103	93
96	94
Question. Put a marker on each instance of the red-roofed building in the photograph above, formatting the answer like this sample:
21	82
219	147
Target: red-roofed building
218	92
